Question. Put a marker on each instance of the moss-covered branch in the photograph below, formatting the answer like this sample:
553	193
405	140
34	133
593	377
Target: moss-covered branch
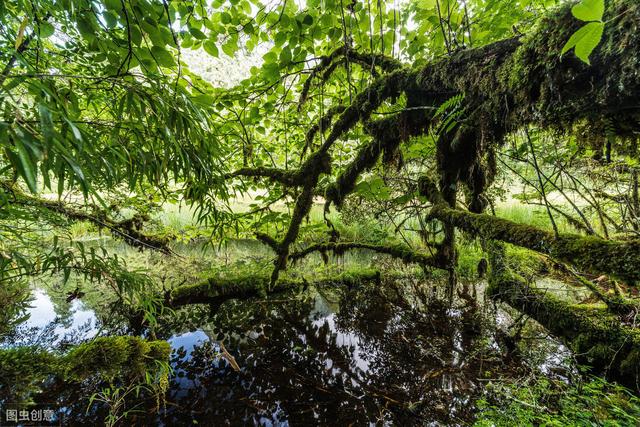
506	85
389	86
328	63
400	251
588	253
25	370
218	290
526	80
321	126
288	178
387	135
597	338
129	229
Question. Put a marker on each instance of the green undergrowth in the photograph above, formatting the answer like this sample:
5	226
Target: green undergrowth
545	402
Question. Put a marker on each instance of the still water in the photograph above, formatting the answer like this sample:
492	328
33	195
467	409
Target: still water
373	355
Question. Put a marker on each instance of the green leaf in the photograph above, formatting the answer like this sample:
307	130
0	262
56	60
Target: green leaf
27	168
285	56
270	57
110	19
46	123
197	33
210	47
113	4
271	71
585	40
589	10
86	29
46	30
204	99
280	38
230	47
163	57
308	20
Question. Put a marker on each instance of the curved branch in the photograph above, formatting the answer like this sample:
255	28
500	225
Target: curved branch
128	229
401	252
321	126
328	64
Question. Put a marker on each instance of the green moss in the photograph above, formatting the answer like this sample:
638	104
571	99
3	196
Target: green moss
216	290
113	356
597	337
24	371
589	253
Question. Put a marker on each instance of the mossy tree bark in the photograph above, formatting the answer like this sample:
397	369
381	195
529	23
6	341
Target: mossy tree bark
598	338
588	253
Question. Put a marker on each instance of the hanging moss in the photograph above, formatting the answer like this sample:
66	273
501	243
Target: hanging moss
588	253
389	86
387	135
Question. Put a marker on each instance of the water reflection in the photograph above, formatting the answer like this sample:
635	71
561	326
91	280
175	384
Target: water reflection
49	325
375	355
368	358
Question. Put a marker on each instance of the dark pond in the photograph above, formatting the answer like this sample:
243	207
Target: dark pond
375	355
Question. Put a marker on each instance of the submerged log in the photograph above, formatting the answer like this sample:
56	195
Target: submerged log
597	338
588	253
218	290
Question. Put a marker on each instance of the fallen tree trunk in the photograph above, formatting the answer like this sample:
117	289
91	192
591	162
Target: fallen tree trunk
588	253
218	290
597	338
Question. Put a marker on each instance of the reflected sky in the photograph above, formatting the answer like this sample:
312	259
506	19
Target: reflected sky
364	356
